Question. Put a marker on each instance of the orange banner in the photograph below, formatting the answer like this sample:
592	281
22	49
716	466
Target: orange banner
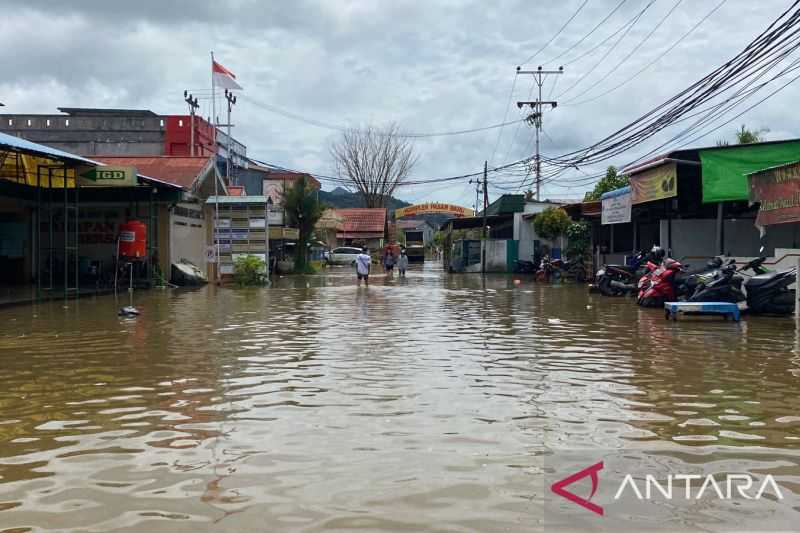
433	207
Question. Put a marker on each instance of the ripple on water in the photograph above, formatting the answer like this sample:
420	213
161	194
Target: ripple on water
317	405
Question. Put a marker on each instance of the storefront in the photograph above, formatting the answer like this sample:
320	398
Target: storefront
61	220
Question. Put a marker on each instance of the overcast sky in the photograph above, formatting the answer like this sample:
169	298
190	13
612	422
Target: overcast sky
427	65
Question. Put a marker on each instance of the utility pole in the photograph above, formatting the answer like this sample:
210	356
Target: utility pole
535	118
485	206
192	101
229	96
477	204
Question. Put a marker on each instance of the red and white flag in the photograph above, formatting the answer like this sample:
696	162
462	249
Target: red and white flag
224	78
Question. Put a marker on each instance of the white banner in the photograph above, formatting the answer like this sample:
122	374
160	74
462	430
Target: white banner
616	207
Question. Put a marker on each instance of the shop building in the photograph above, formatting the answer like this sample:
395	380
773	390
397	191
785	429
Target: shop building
64	218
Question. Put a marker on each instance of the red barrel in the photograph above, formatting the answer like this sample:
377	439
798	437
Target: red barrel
133	239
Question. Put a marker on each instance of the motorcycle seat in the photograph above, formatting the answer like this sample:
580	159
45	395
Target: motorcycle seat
761	279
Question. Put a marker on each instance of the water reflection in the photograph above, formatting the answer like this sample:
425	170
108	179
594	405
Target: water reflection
422	403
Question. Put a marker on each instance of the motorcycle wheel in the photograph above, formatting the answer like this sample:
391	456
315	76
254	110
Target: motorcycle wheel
650	302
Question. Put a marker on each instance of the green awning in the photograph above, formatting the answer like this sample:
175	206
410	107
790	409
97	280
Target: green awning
725	169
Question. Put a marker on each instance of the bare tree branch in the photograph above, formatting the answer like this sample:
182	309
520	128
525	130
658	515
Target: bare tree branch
375	161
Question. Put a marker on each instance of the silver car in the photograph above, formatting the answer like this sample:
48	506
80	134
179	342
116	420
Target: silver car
344	255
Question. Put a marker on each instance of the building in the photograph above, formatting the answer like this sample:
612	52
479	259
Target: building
125	132
530	244
363	227
415	227
63	221
189	220
241	230
329	225
692	202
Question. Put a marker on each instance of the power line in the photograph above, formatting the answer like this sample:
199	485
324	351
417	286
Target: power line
654	61
608	52
408	135
553	38
579	41
633	51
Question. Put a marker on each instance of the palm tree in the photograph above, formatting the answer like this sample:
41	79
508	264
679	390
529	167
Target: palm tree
303	210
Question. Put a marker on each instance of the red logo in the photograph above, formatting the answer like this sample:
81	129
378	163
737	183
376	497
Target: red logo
558	487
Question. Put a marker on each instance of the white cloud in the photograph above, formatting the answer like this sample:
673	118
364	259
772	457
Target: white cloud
430	66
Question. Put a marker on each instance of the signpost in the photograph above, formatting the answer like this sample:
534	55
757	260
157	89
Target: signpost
616	206
108	176
433	207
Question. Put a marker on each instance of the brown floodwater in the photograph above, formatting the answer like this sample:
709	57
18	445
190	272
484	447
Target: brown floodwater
436	403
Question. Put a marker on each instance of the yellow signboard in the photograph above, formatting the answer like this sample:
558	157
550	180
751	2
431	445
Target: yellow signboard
654	184
433	207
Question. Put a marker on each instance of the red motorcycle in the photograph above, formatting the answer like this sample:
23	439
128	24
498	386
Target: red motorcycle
660	285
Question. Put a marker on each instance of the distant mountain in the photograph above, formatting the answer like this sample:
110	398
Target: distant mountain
342	198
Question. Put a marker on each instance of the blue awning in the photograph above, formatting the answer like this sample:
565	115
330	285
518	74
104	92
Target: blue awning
32	148
616	192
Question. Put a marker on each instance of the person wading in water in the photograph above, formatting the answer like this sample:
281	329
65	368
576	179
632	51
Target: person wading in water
363	264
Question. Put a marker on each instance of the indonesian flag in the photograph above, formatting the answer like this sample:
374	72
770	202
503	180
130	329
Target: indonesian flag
223	77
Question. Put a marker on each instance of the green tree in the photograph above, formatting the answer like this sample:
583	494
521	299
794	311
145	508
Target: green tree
551	223
612	181
303	210
249	271
578	236
746	136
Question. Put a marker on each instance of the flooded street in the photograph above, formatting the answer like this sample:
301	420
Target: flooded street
432	403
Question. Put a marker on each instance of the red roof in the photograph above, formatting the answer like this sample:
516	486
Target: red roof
182	171
363	220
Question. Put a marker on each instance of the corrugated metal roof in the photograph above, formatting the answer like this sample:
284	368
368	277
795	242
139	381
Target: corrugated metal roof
178	170
17	143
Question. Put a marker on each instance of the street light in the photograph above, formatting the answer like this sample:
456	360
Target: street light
267	205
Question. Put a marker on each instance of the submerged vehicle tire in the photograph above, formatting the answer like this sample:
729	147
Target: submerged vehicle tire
651	302
604	285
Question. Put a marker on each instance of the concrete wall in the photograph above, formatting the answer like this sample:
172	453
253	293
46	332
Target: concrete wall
188	234
496	255
697	238
90	135
526	235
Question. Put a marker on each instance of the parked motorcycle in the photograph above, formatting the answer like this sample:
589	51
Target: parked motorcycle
547	270
659	286
524	267
719	285
768	292
617	280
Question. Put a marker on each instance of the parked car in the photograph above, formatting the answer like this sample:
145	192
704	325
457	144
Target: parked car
344	255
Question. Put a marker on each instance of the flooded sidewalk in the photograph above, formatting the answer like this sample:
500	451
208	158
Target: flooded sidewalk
432	403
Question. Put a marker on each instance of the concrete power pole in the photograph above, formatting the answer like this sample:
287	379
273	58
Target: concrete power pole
535	118
231	102
193	105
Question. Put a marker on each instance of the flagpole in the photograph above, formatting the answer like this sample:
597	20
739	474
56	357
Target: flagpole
216	171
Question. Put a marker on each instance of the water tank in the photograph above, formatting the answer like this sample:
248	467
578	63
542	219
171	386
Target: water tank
133	239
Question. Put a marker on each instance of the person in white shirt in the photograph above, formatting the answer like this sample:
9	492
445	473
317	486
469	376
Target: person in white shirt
402	263
363	264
